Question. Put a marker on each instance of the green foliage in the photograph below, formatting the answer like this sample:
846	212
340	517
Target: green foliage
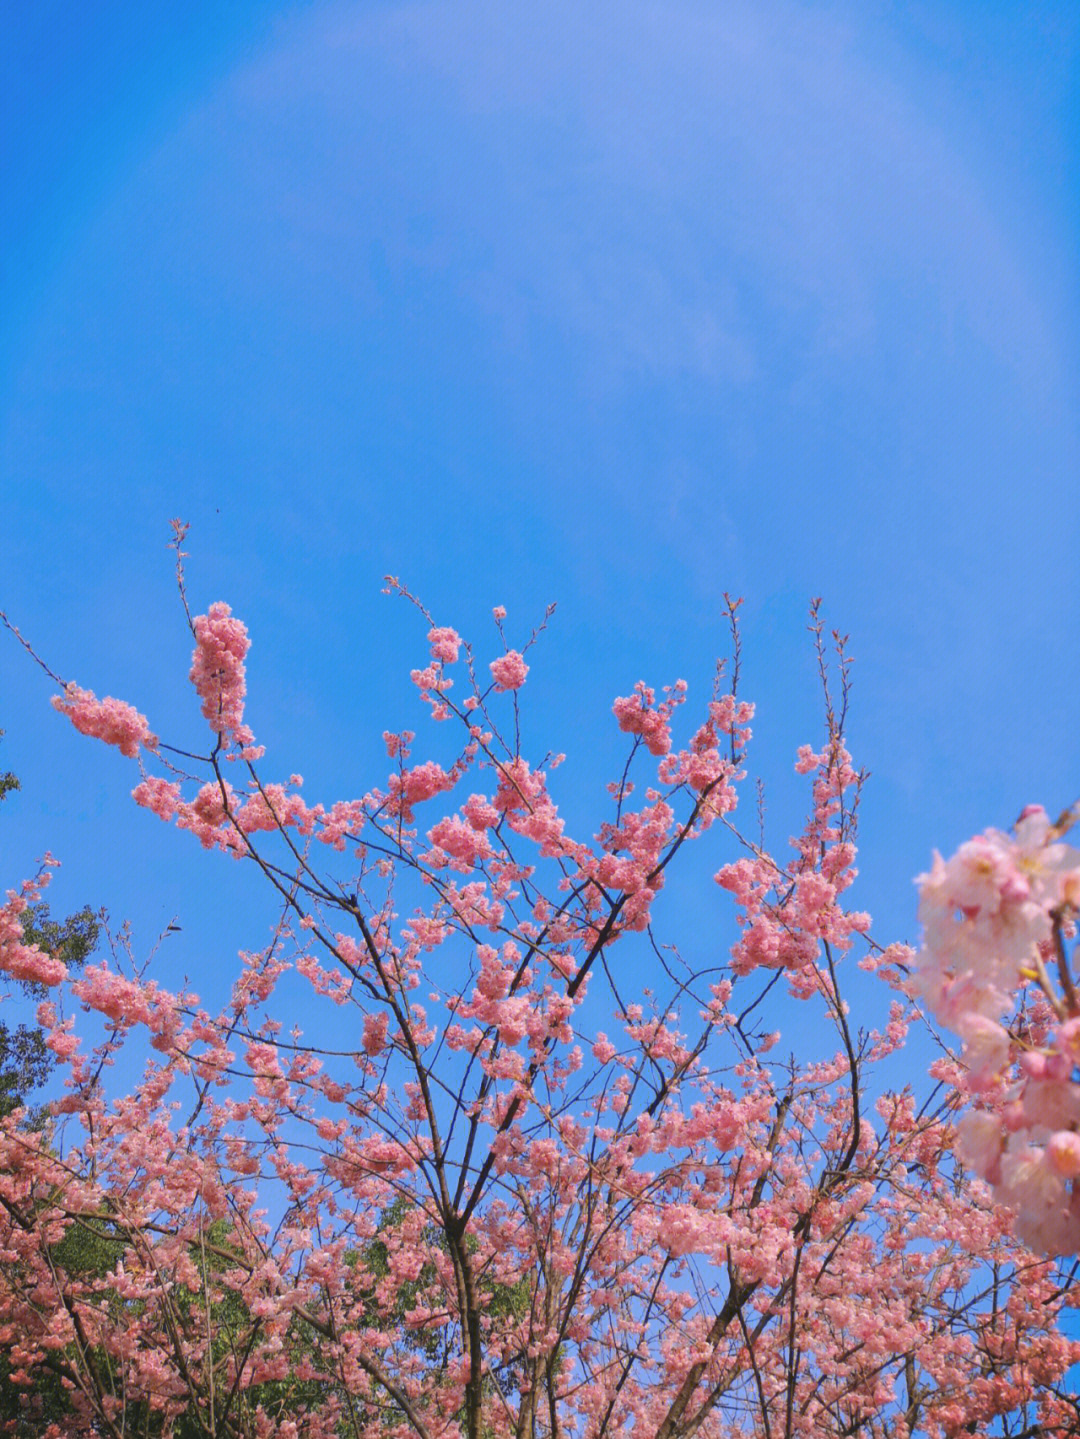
72	940
499	1301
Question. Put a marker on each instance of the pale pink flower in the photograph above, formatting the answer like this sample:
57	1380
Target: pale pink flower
682	1230
982	873
445	644
1049	1104
414	786
987	1050
1046	1216
24	962
374	1036
1067	1039
979	1142
480	812
1063	1153
427	679
509	671
460	843
603	1049
161	796
636	715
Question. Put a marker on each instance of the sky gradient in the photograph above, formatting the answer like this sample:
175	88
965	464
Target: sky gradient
618	306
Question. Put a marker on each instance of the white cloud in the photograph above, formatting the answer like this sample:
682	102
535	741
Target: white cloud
671	182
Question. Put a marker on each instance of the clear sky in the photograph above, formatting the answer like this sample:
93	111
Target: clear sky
617	305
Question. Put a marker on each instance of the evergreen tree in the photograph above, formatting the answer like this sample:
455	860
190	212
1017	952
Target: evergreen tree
25	1062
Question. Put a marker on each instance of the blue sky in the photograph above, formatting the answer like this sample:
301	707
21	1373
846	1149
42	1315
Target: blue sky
620	306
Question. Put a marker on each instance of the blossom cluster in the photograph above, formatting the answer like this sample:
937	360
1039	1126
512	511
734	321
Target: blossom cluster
25	963
217	671
994	968
509	671
639	714
109	720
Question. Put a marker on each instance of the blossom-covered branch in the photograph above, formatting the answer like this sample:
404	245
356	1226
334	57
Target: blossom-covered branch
536	1172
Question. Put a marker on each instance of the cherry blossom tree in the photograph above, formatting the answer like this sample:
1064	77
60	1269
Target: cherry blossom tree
25	1062
529	1196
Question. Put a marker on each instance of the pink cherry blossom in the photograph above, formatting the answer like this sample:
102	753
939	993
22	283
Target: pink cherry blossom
636	715
217	671
509	671
995	919
445	644
25	963
109	720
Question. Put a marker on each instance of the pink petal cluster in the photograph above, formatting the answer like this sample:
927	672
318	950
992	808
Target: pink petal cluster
414	786
996	917
509	671
25	963
639	714
109	720
217	671
457	844
445	644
